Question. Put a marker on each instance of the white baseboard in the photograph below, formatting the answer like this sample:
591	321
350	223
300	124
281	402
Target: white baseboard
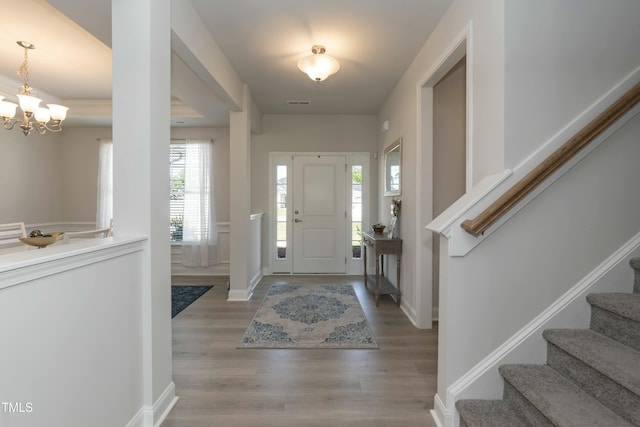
410	312
440	414
138	419
245	295
178	269
254	282
238	295
153	416
411	315
164	404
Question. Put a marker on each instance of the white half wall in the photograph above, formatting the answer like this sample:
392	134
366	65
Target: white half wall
72	341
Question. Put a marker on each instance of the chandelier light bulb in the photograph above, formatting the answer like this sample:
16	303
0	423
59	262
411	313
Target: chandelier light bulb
28	103
42	115
58	112
8	109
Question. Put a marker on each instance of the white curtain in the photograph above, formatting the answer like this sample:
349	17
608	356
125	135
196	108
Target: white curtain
199	234
104	212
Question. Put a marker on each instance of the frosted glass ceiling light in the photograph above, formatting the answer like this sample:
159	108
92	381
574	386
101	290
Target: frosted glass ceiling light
33	115
318	66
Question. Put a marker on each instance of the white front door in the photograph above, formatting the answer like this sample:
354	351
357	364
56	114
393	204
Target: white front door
319	214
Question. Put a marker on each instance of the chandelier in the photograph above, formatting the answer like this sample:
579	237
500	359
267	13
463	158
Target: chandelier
33	116
318	66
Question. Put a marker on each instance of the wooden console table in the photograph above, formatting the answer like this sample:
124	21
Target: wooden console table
381	246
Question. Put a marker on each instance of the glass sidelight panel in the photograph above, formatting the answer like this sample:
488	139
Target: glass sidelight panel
356	210
281	212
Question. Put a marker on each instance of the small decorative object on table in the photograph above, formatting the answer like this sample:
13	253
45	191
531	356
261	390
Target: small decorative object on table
37	238
378	228
394	222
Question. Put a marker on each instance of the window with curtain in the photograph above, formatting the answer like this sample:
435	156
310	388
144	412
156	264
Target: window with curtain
104	212
192	210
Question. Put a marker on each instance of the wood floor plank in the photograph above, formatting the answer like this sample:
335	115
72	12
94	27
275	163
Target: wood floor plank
221	385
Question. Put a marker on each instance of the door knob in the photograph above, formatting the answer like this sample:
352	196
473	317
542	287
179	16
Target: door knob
297	220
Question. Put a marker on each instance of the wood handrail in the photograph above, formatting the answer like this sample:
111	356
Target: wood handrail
562	155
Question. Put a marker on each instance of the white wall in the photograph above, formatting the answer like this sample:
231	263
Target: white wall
30	172
79	174
561	56
486	84
306	133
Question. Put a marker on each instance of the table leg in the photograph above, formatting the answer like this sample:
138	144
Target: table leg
398	281
364	259
377	291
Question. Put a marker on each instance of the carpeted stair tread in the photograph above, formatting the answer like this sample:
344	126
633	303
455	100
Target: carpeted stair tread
623	304
609	357
488	413
561	401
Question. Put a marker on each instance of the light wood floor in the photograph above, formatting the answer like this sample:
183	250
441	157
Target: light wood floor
219	385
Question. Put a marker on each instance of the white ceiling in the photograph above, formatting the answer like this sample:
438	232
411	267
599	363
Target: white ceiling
374	41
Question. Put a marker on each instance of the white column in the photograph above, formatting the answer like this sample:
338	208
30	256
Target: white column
240	200
141	132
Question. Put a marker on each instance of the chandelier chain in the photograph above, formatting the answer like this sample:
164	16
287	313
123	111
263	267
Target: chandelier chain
23	71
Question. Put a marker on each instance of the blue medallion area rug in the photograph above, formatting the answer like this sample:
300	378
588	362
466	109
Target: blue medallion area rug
309	316
183	296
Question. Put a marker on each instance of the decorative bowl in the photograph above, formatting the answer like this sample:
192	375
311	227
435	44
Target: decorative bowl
41	241
378	228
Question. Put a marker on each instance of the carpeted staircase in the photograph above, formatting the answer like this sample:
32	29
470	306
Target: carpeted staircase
592	376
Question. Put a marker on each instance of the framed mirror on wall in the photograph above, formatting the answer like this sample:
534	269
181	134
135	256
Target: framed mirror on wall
393	169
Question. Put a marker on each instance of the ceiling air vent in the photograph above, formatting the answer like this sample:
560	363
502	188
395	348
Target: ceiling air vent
298	102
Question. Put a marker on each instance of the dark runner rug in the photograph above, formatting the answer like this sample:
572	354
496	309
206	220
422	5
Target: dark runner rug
182	296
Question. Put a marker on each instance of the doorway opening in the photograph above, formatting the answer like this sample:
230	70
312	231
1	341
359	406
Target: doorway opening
432	189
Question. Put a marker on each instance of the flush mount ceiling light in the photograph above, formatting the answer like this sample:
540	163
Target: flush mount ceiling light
318	66
33	116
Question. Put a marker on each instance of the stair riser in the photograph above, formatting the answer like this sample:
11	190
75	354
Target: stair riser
635	264
616	397
486	413
619	328
523	407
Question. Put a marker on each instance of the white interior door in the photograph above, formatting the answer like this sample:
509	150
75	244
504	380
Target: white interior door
319	214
